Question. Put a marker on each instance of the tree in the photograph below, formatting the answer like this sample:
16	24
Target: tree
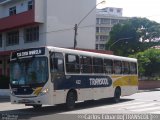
141	33
149	62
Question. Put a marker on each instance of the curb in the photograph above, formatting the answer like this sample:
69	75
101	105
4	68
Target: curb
148	90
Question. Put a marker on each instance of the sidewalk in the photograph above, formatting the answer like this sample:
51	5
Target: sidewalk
149	90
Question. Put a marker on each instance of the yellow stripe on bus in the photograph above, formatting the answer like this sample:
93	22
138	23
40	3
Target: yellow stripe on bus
125	81
37	91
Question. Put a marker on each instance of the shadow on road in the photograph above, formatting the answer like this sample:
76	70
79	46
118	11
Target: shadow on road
29	113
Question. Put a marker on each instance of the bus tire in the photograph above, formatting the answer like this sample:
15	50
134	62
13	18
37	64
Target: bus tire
70	100
37	106
117	95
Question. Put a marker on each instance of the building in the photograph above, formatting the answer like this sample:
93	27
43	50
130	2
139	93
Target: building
106	18
33	23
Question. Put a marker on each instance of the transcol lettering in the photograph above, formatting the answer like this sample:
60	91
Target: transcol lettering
99	81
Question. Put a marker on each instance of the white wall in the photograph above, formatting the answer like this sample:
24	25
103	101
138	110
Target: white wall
64	14
40	10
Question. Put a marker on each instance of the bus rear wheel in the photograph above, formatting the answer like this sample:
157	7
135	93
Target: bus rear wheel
70	101
117	95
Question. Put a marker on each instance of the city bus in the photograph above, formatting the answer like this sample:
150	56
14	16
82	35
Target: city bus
52	75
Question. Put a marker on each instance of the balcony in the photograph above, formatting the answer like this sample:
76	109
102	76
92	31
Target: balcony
3	2
17	20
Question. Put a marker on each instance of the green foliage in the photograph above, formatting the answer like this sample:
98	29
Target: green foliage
149	62
134	35
4	82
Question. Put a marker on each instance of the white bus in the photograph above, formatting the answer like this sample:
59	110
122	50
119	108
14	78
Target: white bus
52	75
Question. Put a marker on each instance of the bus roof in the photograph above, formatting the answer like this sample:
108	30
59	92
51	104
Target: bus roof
92	54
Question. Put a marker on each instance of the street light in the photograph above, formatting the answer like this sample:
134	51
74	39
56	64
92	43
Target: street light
77	25
118	41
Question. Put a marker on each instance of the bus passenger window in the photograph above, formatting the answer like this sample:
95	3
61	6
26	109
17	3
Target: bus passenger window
97	65
108	66
125	67
117	67
133	68
56	61
72	63
86	64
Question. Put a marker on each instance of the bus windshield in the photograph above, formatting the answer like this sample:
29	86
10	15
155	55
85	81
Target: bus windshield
29	71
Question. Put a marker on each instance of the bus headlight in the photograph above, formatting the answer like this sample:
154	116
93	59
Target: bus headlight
45	91
11	92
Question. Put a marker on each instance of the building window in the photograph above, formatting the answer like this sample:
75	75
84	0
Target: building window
121	21
97	29
111	9
12	38
105	21
101	46
96	46
97	20
103	38
105	29
97	38
118	10
32	34
0	40
30	5
114	21
12	10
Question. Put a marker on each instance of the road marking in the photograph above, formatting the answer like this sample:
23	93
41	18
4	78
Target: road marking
146	109
141	106
135	106
122	105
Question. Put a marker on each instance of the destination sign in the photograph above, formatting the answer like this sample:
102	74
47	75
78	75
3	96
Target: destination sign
28	52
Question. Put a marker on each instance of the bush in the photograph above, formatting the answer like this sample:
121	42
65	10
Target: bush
4	82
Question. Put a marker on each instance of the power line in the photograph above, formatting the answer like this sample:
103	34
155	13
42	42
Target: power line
63	30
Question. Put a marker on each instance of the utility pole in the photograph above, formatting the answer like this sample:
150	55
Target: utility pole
77	25
75	35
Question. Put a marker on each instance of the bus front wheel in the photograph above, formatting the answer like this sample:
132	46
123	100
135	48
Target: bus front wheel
117	95
70	101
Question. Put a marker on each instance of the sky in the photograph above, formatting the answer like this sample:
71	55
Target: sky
136	8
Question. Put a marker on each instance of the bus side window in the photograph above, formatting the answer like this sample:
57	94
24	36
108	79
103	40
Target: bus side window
108	66
72	63
117	67
133	68
97	65
57	62
125	67
86	64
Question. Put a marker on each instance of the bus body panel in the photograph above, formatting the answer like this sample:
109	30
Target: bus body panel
91	86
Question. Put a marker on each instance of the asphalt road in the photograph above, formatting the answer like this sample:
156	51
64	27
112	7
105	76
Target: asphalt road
143	102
